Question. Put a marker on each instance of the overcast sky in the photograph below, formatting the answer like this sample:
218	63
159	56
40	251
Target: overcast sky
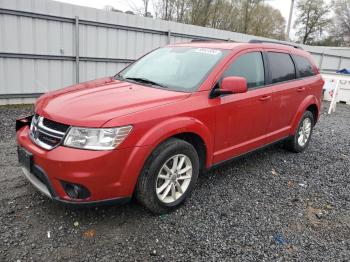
124	5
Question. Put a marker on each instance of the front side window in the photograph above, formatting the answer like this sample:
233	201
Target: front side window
174	68
304	66
251	67
281	66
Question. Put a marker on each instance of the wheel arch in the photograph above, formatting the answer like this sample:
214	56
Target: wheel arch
197	142
309	103
191	130
314	110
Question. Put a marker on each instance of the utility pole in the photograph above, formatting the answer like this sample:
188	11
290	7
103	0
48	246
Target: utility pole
146	7
290	18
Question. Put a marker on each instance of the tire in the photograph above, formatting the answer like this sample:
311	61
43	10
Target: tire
162	170
293	143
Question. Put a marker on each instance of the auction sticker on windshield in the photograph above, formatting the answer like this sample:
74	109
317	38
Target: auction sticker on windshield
208	51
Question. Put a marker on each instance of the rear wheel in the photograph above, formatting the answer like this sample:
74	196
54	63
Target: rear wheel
301	139
168	176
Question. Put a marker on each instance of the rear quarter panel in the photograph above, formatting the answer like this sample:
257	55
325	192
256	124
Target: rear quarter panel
314	96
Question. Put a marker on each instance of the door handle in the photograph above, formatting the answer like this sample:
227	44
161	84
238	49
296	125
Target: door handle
301	89
264	98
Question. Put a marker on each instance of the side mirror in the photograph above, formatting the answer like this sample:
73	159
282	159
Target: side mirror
232	85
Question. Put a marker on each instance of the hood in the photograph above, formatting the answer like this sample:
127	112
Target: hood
93	103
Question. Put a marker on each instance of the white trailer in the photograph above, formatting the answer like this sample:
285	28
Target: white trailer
336	89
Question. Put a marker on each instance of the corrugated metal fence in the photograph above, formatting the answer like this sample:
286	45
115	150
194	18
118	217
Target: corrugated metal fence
45	45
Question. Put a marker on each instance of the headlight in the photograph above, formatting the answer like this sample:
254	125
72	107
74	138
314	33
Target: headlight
96	138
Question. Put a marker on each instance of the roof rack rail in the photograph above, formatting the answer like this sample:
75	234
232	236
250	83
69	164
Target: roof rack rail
210	40
257	41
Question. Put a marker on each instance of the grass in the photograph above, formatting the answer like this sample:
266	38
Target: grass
16	106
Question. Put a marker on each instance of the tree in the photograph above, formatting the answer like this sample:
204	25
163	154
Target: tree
243	16
267	22
312	20
164	9
328	41
225	15
248	10
145	4
139	7
341	30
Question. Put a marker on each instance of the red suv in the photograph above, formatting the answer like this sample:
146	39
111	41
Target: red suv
179	110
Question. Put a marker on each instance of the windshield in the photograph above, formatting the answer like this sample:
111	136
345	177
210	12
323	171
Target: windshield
174	68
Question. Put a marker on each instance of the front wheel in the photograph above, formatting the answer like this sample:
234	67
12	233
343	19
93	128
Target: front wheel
302	136
168	176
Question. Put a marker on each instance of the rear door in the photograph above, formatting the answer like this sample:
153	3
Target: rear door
307	73
288	93
242	120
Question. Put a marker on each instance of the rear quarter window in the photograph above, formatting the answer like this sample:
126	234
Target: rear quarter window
281	66
304	66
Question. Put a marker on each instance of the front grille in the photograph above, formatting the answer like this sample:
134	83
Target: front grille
55	125
49	140
47	133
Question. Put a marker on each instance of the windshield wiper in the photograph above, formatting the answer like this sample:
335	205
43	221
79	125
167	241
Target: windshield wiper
145	81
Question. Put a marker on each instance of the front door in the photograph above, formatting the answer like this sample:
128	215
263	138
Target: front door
242	120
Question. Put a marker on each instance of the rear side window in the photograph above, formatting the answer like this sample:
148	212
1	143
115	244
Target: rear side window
251	67
304	66
281	66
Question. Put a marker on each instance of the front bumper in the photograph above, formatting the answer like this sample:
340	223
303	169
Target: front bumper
49	192
110	176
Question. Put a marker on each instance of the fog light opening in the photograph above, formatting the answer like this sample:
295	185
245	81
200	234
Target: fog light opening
75	191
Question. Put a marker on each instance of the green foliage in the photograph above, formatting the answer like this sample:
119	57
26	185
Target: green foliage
340	30
312	21
244	16
327	41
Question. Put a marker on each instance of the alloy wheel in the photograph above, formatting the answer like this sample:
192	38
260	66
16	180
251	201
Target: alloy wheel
304	132
174	178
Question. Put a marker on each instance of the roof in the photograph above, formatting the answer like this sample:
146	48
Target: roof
211	44
233	45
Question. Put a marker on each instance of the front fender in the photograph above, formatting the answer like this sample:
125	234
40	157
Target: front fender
174	126
309	100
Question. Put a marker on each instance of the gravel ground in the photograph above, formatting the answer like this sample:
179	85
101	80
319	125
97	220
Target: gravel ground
269	206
